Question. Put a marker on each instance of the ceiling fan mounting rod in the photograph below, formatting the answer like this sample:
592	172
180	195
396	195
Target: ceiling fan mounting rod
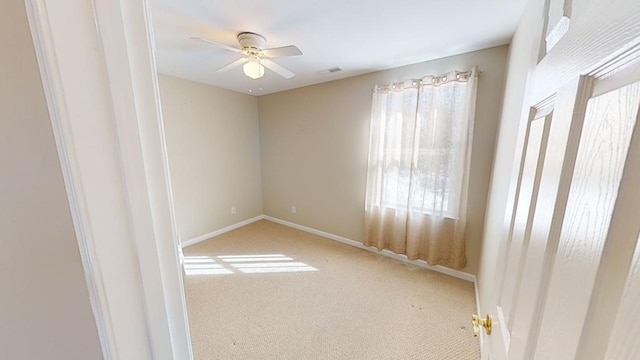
253	57
252	52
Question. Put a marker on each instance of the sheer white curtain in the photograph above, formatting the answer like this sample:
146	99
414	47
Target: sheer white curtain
419	155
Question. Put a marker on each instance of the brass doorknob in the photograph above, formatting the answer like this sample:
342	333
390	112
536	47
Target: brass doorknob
477	321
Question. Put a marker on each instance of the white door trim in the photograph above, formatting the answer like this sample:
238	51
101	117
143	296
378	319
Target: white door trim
52	84
100	82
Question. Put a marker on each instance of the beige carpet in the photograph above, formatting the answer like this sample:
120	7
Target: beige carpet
266	291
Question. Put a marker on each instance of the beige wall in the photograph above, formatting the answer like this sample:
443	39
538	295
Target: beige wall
315	142
214	155
44	307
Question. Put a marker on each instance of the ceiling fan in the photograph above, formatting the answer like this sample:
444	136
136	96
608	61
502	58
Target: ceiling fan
255	56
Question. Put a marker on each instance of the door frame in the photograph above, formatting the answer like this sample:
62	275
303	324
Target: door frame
97	65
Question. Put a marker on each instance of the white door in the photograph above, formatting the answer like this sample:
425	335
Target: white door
567	264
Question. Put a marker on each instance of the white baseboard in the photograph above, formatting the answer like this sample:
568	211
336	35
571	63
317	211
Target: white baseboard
221	231
441	269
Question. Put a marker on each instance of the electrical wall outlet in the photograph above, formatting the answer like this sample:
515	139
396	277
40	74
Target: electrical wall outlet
293	209
233	210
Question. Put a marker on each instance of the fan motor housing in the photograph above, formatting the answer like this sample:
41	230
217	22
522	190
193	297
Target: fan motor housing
251	41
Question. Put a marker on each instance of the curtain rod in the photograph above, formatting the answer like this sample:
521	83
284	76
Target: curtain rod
440	79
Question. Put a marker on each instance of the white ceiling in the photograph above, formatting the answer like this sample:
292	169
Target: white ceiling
360	36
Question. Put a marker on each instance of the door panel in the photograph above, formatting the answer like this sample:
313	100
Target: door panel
511	337
617	278
554	185
527	190
601	157
534	154
621	345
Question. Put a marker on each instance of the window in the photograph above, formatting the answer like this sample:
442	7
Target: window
419	153
420	142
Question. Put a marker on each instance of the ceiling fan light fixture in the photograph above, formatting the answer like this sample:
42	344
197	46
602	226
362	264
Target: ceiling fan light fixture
253	69
255	57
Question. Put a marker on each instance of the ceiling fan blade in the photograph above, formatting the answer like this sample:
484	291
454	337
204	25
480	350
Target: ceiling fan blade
232	64
222	46
290	50
277	68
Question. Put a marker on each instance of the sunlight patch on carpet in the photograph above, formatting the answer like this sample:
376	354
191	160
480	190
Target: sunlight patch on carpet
247	264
